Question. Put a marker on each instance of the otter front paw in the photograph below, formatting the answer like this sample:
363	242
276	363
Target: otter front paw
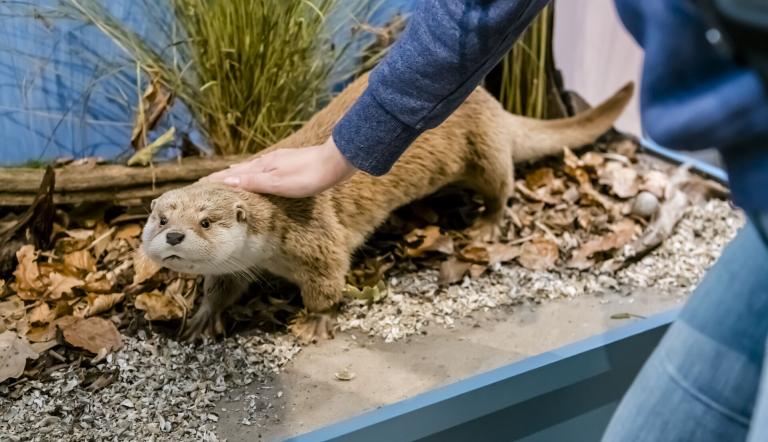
312	327
204	323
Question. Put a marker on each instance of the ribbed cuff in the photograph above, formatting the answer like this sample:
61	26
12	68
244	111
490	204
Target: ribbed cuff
370	137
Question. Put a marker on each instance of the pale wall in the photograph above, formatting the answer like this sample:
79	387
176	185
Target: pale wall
596	54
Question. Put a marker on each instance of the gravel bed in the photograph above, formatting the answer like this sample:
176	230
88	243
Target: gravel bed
166	390
416	300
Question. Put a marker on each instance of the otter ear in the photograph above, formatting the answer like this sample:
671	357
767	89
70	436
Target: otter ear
240	211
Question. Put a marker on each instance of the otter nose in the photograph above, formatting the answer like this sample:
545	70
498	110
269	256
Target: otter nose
174	238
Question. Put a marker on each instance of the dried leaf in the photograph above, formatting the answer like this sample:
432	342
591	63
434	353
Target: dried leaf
560	220
12	308
41	314
98	282
592	159
144	156
655	182
143	267
700	189
12	311
93	334
27	273
371	295
48	332
503	253
371	272
80	234
62	284
453	270
626	315
570	159
620	178
477	270
128	231
475	253
538	254
626	147
158	307
542	195
426	240
76	239
42	333
542	177
154	103
587	191
669	214
42	347
103	237
81	259
622	234
98	303
344	375
14	352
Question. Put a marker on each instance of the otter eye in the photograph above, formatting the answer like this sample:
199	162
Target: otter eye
205	223
163	220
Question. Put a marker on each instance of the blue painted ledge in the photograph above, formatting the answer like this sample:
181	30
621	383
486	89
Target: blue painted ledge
496	405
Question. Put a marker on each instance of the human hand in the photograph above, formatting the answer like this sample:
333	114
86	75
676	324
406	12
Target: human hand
294	173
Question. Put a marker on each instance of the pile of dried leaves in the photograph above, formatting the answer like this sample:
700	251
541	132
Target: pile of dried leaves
70	302
602	209
80	291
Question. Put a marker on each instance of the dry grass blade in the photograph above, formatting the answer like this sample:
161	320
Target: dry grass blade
524	74
250	71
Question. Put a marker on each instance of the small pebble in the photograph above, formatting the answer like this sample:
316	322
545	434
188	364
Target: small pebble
645	205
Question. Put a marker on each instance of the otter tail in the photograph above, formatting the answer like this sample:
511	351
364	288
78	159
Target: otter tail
541	138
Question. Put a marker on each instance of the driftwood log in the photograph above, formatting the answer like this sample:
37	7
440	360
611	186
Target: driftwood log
107	183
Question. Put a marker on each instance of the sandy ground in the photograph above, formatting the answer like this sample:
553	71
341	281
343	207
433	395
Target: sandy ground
306	395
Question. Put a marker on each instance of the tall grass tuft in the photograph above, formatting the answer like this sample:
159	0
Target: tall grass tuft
249	71
524	83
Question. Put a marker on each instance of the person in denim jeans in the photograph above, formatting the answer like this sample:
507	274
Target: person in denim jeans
707	379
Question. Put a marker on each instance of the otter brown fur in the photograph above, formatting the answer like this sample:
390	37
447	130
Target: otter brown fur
309	241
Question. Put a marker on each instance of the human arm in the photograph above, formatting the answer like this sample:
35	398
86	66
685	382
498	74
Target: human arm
444	53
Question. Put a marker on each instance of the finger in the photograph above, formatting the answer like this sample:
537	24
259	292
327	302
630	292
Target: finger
253	182
221	175
254	166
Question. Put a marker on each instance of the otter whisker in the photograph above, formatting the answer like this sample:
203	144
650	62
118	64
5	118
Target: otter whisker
241	270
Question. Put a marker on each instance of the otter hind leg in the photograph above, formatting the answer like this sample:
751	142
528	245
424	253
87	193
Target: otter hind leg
495	194
310	327
491	175
321	291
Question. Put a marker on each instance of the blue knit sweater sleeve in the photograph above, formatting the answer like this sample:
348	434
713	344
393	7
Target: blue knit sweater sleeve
444	53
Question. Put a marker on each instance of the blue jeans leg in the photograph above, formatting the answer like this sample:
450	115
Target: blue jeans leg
701	382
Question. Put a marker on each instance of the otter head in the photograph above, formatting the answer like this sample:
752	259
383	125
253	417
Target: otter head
201	229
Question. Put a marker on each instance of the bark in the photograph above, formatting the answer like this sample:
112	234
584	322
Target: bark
107	183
